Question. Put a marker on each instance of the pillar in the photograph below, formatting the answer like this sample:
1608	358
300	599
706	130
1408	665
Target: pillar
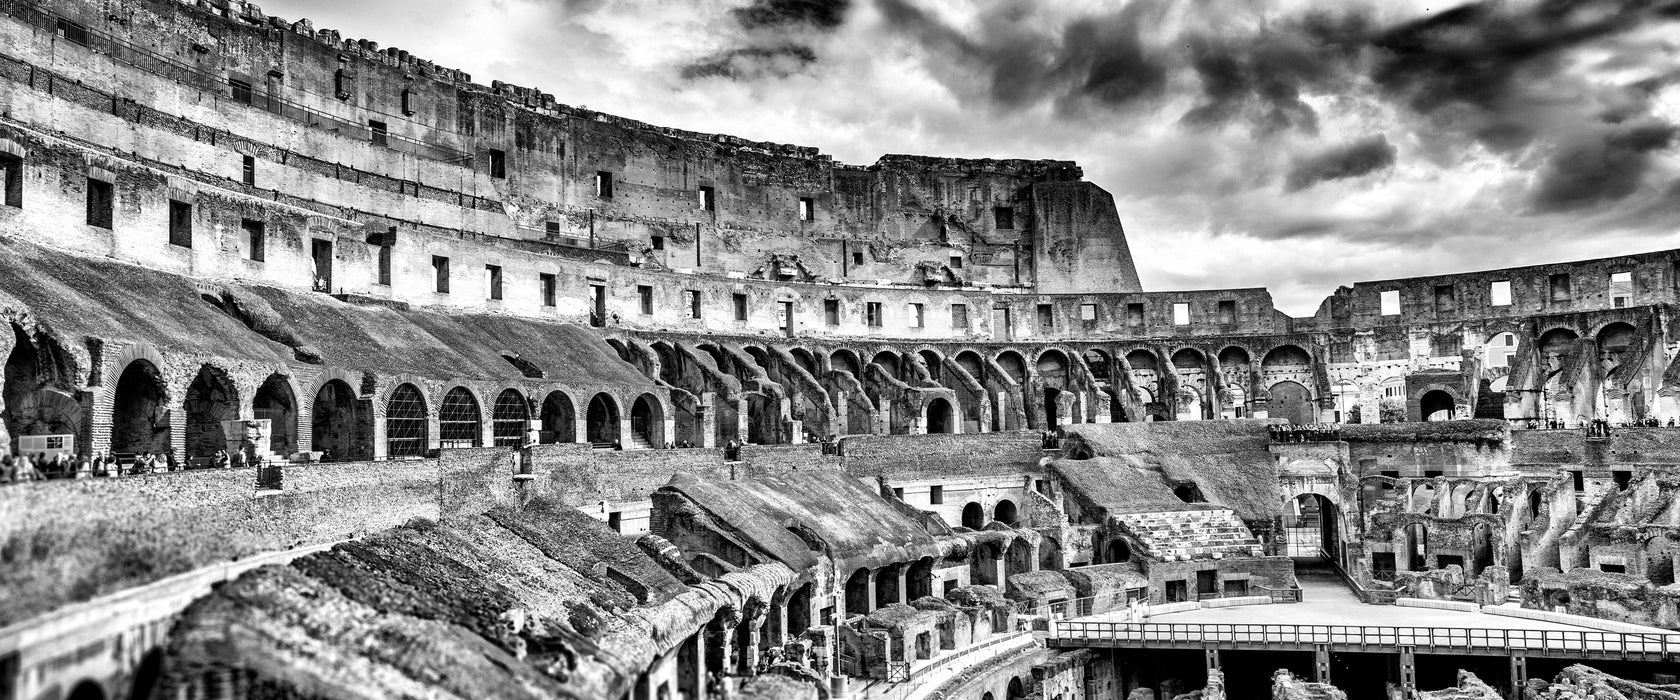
1408	672
903	583
1212	656
1519	675
1321	663
749	651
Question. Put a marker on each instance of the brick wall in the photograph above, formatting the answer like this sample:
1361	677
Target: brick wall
922	456
1571	449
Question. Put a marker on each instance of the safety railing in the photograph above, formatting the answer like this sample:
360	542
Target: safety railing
573	241
193	76
1278	595
917	676
1538	642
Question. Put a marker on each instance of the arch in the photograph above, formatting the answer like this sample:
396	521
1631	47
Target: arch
1481	548
1498	350
846	360
1190	406
805	360
647	422
971	363
1052	368
1233	357
1019	559
407	433
1004	512
1013	365
276	402
1050	554
510	419
1116	551
1286	357
1310	524
147	675
1016	689
36	396
1189	360
1436	405
799	611
890	363
603	420
211	399
973	516
341	426
886	586
918	580
1143	361
1615	340
1292	401
559	419
857	592
1189	492
1097	361
934	364
939	417
983	564
87	689
460	423
1555	345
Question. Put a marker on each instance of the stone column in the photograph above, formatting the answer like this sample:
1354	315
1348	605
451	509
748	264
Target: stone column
903	583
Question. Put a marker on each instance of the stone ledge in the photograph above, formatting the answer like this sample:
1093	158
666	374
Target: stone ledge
1237	600
1437	604
1576	620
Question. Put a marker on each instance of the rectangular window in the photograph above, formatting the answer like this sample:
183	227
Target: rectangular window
959	317
615	521
100	204
256	234
784	316
898	493
694	303
956	262
1391	302
440	272
1621	289
740	307
831	312
1003	217
385	265
248	170
1088	314
1181	314
551	229
381	135
708	199
180	224
916	319
1228	311
1559	284
493	281
498	163
1499	293
1445	298
857	258
1612	568
11	170
407	102
73	32
644	294
241	90
1046	318
604	184
872	313
1134	315
1579	478
658	242
548	283
807	209
936	495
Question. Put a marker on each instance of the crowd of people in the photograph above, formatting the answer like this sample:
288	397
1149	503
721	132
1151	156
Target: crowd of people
18	467
1315	432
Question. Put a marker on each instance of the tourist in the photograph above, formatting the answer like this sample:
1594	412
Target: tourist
84	467
26	470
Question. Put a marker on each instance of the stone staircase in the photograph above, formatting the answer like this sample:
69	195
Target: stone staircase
1193	534
1585	505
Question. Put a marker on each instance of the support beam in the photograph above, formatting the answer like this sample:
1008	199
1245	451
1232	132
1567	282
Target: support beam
1519	676
1321	663
1408	672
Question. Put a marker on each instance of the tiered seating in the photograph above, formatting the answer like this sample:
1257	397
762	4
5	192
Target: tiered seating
1193	534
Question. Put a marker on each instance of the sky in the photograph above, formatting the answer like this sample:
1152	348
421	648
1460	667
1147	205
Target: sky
1288	144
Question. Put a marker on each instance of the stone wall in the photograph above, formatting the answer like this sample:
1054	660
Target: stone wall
922	456
68	541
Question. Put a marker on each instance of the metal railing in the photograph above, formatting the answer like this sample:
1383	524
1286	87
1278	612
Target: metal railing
193	76
269	475
574	241
1492	641
973	654
1278	595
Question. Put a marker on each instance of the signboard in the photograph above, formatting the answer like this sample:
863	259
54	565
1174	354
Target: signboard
49	445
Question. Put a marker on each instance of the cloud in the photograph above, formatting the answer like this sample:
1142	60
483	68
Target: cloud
1356	159
752	63
825	14
1603	165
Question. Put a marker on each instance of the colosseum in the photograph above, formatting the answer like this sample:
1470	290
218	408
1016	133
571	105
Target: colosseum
333	373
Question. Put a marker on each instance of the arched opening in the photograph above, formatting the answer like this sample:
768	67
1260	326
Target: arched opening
1052	414
806	360
1020	557
275	402
973	516
1436	405
1190	405
340	425
1116	407
939	419
406	433
1417	547
971	363
889	363
510	419
1097	361
1293	402
1309	524
146	677
1481	548
647	423
1614	341
1191	367
843	360
1116	551
1189	493
886	586
1017	689
1236	373
1556	346
459	422
33	406
559	419
1049	554
717	641
86	690
857	593
918	581
1499	349
799	611
1004	512
983	565
1013	365
603	421
211	399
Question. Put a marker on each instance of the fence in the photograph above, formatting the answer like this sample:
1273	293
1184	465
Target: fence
1359	638
971	655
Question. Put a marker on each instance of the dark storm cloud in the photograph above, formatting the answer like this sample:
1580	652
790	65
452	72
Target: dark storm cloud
1602	166
1356	159
823	14
752	63
1259	78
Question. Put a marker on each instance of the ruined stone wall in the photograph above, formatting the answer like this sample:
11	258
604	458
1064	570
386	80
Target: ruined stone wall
926	456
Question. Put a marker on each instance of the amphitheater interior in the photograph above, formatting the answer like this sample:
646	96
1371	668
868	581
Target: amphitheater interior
377	381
